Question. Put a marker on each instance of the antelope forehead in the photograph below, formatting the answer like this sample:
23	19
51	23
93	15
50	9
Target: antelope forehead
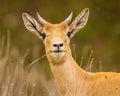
57	39
56	27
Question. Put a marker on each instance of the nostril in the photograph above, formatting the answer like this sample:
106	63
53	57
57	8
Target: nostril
61	45
58	45
55	45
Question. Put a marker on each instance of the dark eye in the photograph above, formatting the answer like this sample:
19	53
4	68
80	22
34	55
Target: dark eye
69	34
43	35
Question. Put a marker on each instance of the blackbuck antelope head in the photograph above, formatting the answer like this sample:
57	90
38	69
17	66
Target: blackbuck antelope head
56	37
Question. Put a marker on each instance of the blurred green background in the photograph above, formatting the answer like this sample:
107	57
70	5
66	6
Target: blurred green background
101	34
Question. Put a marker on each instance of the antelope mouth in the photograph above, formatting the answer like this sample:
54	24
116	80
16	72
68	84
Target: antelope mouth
57	51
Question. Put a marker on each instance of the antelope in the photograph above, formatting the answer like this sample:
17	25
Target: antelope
70	78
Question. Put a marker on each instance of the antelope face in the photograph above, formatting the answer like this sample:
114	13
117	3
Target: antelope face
56	37
56	40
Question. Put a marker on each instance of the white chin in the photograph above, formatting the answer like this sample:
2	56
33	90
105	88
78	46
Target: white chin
58	56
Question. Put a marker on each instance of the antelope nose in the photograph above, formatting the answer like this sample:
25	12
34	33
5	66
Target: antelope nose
58	45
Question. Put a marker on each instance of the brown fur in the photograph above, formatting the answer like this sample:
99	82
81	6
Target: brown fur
70	79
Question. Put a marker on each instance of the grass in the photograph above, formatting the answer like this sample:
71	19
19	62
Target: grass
36	61
15	80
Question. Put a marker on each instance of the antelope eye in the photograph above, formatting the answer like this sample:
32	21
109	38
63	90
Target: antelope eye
69	34
43	35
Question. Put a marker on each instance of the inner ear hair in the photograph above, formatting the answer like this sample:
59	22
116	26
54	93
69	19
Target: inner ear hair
79	22
32	25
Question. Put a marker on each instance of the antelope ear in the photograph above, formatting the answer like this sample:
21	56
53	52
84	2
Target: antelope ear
79	22
31	24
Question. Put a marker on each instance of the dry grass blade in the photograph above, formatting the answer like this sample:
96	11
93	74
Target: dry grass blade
14	80
2	45
36	61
